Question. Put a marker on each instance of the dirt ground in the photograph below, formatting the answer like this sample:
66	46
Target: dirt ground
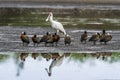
10	41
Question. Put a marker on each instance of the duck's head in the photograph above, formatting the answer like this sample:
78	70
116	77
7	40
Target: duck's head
35	35
103	31
24	33
85	32
48	33
108	33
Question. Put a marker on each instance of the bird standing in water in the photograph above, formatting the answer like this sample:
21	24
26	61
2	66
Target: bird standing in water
56	38
84	37
35	39
24	38
106	38
55	24
67	40
94	38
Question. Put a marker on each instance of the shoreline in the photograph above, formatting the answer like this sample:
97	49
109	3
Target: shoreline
10	41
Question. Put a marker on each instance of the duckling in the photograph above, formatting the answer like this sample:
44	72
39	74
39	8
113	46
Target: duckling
67	39
106	38
84	37
95	38
24	38
35	39
56	38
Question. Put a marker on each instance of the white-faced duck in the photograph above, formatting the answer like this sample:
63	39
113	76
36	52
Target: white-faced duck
84	37
94	38
24	38
35	39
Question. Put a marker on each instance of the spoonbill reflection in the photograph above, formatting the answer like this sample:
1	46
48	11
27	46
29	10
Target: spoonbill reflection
56	61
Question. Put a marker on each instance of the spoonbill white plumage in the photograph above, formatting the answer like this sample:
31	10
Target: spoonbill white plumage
55	24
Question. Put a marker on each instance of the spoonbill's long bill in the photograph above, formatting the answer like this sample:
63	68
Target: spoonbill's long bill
55	24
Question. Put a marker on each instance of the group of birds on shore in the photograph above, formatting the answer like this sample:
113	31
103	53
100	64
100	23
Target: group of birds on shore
102	38
48	38
54	38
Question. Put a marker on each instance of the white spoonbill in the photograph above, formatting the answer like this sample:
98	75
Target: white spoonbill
54	24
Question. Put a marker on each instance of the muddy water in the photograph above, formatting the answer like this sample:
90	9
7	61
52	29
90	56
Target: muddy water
59	66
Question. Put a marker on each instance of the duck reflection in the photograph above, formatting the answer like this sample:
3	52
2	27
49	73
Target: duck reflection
34	55
23	56
20	62
104	55
47	56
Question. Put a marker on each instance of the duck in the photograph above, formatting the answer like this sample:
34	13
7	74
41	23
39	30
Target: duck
24	38
84	37
56	38
107	37
44	37
48	38
67	40
102	35
35	39
94	38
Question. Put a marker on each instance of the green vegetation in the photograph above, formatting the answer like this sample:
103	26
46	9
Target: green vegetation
109	57
3	57
71	18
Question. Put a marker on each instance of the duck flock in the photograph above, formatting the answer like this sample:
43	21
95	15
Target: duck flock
53	39
48	38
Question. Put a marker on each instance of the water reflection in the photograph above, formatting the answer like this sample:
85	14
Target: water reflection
57	60
23	56
50	64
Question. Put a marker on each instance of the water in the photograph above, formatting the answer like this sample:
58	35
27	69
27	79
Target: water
59	6
56	66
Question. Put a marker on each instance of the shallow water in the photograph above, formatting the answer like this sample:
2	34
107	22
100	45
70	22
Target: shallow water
60	66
